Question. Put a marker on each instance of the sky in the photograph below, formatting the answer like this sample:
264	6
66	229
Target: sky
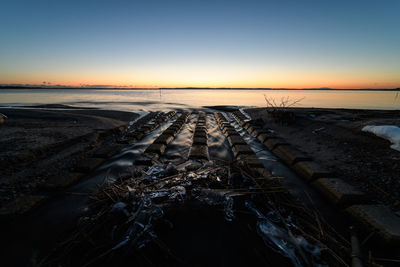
269	44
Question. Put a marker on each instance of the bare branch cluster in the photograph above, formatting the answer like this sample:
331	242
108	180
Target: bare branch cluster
285	102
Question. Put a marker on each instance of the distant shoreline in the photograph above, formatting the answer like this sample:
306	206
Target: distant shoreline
193	88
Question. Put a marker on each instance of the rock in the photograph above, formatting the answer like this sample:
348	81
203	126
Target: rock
2	118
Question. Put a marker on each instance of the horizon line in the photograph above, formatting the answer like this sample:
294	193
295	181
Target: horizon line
105	87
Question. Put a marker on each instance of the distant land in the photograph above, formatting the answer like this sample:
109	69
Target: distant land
184	88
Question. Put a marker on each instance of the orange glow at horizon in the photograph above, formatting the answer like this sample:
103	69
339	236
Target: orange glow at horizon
207	75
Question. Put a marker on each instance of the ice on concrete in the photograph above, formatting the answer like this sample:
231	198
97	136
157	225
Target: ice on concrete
388	132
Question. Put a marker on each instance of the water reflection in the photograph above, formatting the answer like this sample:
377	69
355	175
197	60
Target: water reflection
171	99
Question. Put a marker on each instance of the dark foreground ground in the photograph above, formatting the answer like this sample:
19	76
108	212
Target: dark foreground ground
39	144
333	138
215	210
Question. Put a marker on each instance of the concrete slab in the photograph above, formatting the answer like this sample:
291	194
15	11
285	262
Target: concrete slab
170	132
146	159
256	131
225	125
200	134
135	136
228	128
231	132
236	140
272	143
164	139
339	192
155	149
197	140
262	137
199	152
310	170
201	128
242	150
289	154
175	128
379	219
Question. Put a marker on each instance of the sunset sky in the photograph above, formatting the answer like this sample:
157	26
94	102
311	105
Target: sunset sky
291	44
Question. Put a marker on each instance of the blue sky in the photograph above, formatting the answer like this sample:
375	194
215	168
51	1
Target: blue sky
201	43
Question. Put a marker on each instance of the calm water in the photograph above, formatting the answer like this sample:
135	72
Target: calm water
168	99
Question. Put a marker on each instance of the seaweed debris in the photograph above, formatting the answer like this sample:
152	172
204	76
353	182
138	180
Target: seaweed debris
129	220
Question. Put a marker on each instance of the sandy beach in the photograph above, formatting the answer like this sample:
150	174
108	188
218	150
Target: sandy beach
49	141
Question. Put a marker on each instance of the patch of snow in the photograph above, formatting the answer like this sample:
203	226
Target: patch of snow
388	132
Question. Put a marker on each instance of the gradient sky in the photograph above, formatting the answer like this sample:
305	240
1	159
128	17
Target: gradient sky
292	44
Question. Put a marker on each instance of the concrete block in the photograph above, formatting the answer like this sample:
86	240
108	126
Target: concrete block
242	150
155	149
225	125
272	143
164	139
199	152
174	128
242	122
290	154
134	135
263	136
339	192
146	129
201	128
200	134
199	140
88	164
231	132
379	219
170	132
146	159
251	161
236	140
253	130
247	125
256	131
310	170
228	128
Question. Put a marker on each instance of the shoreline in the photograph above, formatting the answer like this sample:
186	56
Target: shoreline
205	88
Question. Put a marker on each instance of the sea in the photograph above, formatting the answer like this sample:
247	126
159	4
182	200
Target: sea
166	99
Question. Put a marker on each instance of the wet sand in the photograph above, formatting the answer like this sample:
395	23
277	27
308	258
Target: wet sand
333	138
